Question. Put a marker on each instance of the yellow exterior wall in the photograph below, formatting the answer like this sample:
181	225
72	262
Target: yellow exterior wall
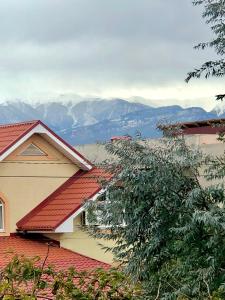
26	181
81	242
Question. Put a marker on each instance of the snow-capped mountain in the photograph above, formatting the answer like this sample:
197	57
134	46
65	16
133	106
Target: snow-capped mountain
98	120
219	109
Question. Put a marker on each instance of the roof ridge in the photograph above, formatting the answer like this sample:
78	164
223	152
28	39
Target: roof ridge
19	123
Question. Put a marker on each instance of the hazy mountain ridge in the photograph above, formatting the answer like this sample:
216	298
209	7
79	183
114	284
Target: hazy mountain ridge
99	120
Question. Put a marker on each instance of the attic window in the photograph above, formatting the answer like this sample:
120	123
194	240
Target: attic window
33	150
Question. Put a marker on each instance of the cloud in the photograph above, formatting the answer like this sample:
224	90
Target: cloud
108	48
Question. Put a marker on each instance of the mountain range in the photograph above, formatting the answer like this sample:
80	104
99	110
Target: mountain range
95	120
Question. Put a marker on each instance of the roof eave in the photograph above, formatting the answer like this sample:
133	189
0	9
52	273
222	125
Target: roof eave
66	224
200	123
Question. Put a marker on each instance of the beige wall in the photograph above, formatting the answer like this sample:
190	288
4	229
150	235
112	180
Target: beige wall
97	153
202	139
24	193
216	149
213	149
81	242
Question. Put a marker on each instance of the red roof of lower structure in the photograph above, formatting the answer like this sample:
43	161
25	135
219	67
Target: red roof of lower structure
211	126
64	202
121	138
58	257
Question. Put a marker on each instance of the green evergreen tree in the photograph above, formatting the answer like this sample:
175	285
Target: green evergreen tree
169	229
214	14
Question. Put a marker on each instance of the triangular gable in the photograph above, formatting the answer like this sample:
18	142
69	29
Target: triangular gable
14	135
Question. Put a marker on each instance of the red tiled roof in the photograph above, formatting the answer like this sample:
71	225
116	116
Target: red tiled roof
60	258
11	133
64	202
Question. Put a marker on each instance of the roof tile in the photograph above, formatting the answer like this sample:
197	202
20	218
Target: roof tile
10	133
33	247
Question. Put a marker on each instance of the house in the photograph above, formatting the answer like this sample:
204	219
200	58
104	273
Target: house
199	133
44	182
203	133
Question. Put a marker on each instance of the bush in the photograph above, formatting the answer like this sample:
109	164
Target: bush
26	278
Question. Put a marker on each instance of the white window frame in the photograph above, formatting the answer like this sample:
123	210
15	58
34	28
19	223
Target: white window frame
87	223
67	225
3	216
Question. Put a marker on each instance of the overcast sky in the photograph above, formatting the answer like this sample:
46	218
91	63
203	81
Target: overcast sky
103	48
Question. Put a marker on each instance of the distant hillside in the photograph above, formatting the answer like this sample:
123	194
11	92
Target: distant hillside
98	120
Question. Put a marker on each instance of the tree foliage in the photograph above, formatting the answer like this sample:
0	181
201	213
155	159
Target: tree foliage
169	230
214	14
25	278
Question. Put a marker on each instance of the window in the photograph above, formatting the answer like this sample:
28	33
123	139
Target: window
85	221
33	150
1	215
